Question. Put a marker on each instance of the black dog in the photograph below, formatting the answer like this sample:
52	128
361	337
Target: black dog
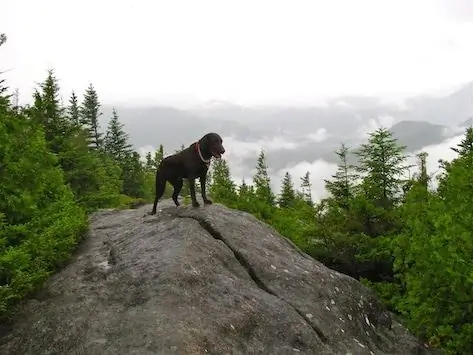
192	162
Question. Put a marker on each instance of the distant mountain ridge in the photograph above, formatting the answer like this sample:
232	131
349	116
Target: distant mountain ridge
416	122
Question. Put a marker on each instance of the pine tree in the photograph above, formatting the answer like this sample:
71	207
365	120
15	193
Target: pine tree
149	164
158	156
243	189
116	143
223	187
133	175
262	181
306	188
465	147
381	160
89	117
4	98
288	194
73	110
246	196
47	112
423	177
341	187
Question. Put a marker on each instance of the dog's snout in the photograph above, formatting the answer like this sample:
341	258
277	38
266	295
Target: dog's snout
223	150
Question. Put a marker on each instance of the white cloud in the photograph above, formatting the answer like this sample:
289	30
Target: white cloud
449	131
343	104
319	136
167	54
373	124
319	170
145	149
399	103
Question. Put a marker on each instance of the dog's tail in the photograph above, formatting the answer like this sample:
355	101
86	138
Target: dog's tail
160	184
160	187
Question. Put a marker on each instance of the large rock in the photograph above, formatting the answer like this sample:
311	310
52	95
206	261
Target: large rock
200	281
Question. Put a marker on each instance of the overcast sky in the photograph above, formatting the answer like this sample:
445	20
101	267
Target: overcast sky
248	52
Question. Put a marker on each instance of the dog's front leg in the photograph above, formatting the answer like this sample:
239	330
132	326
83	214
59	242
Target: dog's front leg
192	189
203	182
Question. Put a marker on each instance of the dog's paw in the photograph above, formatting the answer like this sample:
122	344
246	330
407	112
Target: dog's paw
152	213
207	202
195	204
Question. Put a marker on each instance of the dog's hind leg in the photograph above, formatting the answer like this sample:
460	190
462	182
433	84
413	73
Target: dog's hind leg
160	187
177	184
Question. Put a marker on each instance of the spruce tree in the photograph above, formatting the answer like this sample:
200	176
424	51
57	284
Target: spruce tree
465	147
306	188
288	194
262	181
149	164
423	177
116	143
89	117
222	188
73	110
341	187
133	175
381	161
158	156
47	112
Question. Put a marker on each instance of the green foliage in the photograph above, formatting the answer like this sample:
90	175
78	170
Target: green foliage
89	117
41	224
262	181
73	113
306	189
411	244
223	188
288	194
116	142
342	185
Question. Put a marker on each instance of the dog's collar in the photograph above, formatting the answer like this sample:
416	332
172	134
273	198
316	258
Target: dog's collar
206	161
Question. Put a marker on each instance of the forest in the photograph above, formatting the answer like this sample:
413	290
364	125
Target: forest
411	243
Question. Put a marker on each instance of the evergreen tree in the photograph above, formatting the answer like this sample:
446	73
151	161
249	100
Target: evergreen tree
381	161
149	164
423	177
133	176
341	188
48	112
4	98
73	110
262	181
40	224
288	194
89	117
433	259
222	188
465	148
158	156
116	143
306	188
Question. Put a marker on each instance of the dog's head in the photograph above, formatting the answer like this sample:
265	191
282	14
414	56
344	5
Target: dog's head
211	145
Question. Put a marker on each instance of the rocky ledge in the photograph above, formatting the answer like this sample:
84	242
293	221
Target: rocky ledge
208	280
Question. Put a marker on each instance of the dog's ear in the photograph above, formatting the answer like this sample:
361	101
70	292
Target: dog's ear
204	143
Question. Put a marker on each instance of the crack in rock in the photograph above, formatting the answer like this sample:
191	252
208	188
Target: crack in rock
243	262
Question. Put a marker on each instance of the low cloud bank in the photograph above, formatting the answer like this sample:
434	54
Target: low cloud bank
238	151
